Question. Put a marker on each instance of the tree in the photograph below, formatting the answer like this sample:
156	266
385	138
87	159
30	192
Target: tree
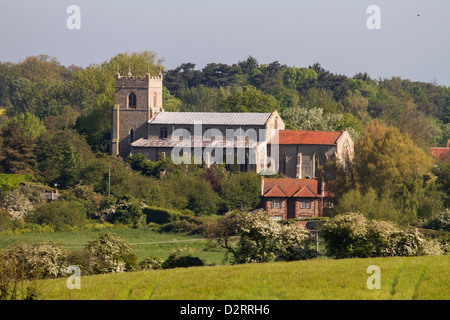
202	98
251	100
355	104
321	98
221	75
385	158
17	153
183	76
370	205
260	239
390	163
59	214
32	127
61	156
295	78
240	191
354	236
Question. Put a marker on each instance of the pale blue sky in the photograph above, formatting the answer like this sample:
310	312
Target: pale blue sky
293	32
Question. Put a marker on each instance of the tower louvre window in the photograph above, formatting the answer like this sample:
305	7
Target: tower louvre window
132	100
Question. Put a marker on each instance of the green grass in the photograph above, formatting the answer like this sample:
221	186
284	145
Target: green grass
404	278
144	242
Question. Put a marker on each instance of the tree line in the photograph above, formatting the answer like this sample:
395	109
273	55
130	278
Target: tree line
55	127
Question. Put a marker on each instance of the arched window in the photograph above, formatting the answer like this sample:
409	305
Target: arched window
319	163
132	100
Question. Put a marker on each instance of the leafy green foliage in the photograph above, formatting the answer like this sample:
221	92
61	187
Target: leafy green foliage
59	214
9	182
111	253
352	235
260	239
251	100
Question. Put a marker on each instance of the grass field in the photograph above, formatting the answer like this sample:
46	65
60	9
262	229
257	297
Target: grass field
402	278
144	242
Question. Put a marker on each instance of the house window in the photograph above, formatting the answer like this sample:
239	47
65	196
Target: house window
163	133
132	135
132	100
276	203
277	218
305	204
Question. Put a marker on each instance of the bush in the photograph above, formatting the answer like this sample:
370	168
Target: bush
9	182
151	263
59	214
441	222
177	261
5	221
128	211
260	239
352	235
160	215
110	253
240	191
38	260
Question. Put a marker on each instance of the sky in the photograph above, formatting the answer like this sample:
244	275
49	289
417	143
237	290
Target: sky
413	41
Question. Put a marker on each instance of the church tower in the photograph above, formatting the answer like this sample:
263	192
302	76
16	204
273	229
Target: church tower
137	100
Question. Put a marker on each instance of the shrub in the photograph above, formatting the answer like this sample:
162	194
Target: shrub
38	260
128	211
111	253
60	214
260	239
441	222
352	235
151	263
177	261
240	191
160	215
9	182
5	221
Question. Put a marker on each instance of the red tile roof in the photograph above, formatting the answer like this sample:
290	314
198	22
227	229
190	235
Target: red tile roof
308	137
290	187
441	154
276	192
305	192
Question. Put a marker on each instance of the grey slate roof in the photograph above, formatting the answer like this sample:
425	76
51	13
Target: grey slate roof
211	118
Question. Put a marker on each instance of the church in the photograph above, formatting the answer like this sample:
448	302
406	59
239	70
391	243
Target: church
254	141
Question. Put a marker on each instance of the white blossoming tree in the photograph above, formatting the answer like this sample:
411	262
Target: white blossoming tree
251	236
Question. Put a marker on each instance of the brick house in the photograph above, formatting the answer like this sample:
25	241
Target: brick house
289	198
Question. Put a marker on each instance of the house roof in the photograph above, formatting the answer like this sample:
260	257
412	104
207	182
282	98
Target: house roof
308	137
204	143
211	118
441	154
308	188
305	192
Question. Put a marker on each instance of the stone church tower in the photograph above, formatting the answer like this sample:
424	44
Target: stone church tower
137	100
